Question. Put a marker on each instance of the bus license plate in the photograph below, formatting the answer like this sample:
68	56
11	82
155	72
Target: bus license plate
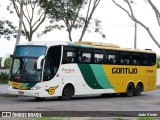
21	93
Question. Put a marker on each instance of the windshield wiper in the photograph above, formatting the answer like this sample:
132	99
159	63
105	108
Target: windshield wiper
16	73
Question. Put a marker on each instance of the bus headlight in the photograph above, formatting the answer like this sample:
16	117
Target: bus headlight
35	88
10	87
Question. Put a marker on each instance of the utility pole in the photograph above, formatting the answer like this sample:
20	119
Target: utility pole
135	36
20	22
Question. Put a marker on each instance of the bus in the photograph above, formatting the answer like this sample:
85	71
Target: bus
65	69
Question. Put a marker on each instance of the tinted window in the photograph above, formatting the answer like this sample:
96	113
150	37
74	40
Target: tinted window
84	55
136	59
112	57
69	55
145	59
52	62
98	56
31	51
152	59
125	58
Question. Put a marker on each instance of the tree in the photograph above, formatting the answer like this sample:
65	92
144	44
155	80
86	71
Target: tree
130	13
7	29
31	20
90	10
69	11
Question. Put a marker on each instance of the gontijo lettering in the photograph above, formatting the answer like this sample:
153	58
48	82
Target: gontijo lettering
124	70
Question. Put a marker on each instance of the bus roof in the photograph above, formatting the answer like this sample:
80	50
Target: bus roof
86	44
110	46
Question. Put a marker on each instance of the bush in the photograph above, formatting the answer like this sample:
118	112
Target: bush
3	78
7	62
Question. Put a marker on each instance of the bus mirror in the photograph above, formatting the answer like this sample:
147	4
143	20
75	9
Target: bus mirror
3	60
39	61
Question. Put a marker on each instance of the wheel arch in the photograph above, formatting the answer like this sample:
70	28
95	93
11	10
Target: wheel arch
130	82
69	84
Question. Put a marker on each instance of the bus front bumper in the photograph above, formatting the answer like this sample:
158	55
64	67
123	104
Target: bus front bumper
30	93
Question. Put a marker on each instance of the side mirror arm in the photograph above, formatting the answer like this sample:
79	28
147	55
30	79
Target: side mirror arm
39	60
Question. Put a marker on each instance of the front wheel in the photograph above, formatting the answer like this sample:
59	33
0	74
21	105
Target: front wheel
67	93
130	90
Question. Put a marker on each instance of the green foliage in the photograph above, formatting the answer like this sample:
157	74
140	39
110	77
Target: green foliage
33	15
146	118
7	62
69	11
7	30
3	77
118	118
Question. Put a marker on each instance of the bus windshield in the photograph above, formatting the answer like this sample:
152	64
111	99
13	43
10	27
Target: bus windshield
30	51
23	68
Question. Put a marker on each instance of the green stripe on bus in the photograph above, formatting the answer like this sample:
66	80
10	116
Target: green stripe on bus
25	84
28	84
101	76
89	76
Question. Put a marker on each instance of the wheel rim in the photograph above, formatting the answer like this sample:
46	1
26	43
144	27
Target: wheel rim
67	92
138	90
130	90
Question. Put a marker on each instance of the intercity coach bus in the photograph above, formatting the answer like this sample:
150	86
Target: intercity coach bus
64	69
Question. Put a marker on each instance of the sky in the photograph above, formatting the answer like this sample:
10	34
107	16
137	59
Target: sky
117	26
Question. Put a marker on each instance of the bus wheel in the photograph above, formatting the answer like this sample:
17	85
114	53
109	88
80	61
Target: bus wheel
138	90
130	90
68	92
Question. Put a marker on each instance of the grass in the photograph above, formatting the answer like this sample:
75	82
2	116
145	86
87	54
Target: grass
118	118
146	118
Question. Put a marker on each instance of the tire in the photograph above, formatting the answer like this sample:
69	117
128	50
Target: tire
67	93
130	90
138	90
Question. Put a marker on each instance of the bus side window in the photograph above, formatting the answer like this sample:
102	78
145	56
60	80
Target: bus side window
68	55
152	59
112	57
134	62
84	55
98	58
124	58
145	59
136	58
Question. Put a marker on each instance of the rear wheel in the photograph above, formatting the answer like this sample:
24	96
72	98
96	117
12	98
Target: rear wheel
130	90
138	89
67	93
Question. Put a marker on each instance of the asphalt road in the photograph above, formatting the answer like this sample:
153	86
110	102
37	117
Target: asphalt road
148	101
